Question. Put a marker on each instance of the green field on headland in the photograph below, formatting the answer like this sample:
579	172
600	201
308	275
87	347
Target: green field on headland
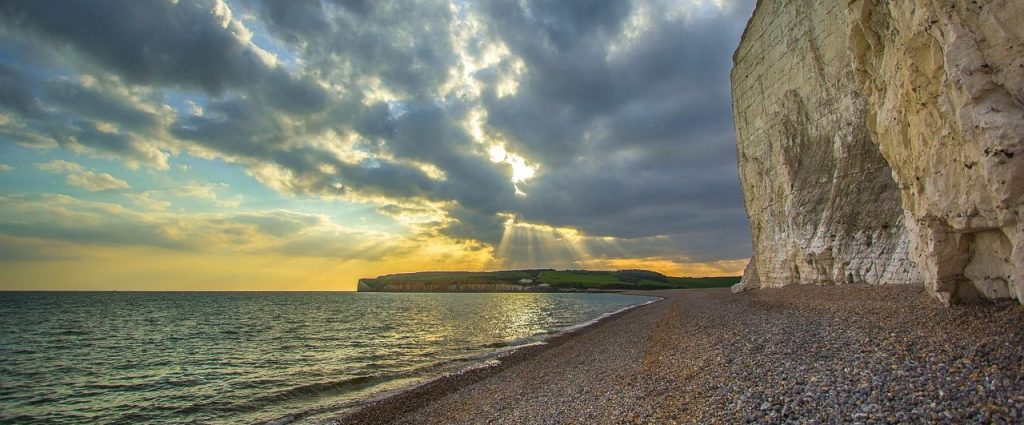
537	280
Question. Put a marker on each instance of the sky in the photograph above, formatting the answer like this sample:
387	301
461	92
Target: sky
303	144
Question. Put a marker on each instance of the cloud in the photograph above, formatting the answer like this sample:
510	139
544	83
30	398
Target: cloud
15	96
248	134
296	20
626	105
90	116
66	219
78	176
96	182
17	132
90	136
16	249
524	245
5	167
614	117
402	47
148	201
60	166
102	104
208	191
190	44
198	190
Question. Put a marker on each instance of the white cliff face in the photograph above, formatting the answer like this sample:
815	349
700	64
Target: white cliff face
823	206
946	85
880	142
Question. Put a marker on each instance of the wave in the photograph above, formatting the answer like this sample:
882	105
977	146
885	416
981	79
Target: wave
576	327
320	389
463	365
305	353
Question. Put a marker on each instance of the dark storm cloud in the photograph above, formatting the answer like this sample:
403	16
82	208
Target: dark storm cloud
406	45
361	7
430	133
473	225
295	20
187	45
67	114
233	126
184	44
88	134
601	205
246	131
637	141
98	105
15	95
389	179
672	80
636	197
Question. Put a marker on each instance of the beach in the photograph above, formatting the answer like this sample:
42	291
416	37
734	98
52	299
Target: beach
812	354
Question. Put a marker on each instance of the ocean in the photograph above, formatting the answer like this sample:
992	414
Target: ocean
254	357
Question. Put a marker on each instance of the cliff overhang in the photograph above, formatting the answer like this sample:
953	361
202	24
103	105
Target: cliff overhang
881	142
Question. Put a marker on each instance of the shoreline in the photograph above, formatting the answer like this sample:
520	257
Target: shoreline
848	353
389	405
476	364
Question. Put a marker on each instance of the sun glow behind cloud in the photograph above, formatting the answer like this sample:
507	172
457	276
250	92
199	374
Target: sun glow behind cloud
524	245
520	170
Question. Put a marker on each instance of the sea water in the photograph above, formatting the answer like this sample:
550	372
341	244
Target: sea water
254	357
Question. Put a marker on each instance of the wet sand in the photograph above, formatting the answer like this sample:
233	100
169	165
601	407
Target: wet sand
802	354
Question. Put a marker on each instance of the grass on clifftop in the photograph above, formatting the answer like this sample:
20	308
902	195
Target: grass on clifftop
630	279
509	276
563	279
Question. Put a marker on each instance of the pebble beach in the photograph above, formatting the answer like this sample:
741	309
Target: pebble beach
799	354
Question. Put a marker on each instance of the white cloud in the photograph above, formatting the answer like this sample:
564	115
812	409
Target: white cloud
96	182
78	176
197	190
60	166
5	167
208	191
148	201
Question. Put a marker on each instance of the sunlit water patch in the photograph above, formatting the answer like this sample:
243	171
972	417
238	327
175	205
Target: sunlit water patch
117	357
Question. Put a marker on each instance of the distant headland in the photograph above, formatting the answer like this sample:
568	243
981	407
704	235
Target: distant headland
537	280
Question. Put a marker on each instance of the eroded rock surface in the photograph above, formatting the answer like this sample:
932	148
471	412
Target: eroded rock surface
880	142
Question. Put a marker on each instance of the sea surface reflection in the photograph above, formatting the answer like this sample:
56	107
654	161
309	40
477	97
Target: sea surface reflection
144	357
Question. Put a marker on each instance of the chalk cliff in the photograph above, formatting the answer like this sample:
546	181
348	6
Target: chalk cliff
880	142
